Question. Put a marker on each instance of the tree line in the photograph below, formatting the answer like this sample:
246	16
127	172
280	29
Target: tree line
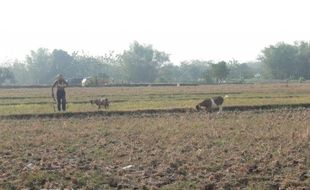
143	64
285	61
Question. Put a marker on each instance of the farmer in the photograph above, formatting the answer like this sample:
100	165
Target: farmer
60	83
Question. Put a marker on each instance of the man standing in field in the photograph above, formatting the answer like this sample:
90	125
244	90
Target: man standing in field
60	83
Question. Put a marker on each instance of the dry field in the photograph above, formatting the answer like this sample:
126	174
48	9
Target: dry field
233	150
38	100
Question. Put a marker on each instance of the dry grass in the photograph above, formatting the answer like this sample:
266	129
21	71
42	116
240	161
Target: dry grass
252	150
38	100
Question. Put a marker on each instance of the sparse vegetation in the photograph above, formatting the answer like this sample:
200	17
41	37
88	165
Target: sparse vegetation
19	101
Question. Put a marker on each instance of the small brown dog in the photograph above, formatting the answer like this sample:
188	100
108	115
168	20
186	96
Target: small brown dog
101	102
211	103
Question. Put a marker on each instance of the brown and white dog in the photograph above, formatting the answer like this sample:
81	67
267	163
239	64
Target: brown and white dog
211	104
101	102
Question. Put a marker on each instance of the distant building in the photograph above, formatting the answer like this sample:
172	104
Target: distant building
93	81
74	81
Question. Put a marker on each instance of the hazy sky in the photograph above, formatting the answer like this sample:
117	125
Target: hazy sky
185	29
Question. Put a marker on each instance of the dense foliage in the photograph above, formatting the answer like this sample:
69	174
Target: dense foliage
285	61
143	64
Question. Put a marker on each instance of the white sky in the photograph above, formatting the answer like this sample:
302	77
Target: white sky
185	29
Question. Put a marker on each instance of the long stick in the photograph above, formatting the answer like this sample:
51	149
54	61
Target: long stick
55	102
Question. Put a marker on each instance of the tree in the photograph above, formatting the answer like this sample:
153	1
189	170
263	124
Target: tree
240	71
303	60
280	61
39	66
220	71
112	67
21	73
6	75
194	70
61	62
84	65
141	62
168	73
208	76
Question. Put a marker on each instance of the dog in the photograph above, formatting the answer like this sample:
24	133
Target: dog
211	104
101	102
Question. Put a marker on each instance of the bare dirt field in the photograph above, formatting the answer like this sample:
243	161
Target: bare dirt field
233	150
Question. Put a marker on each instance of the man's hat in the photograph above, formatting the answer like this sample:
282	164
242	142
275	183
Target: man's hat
59	76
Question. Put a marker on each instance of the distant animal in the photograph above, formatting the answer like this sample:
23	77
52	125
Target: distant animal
210	104
101	102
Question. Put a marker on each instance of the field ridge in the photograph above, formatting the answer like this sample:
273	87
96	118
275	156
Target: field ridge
149	111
